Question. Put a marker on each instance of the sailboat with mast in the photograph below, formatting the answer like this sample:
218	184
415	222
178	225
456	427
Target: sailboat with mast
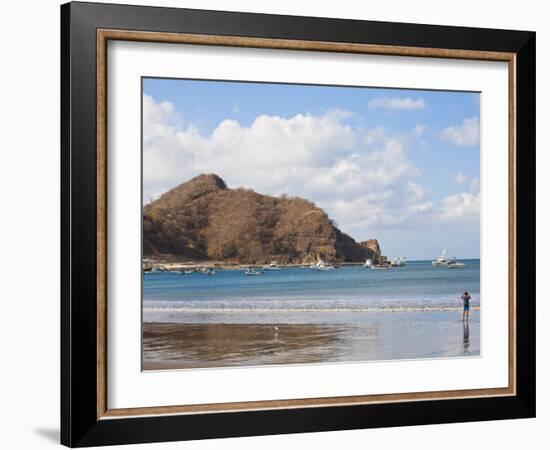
441	260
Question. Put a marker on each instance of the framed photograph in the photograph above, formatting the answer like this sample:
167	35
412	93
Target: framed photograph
277	224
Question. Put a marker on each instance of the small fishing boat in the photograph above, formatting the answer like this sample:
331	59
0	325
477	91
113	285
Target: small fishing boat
252	272
321	266
454	264
441	260
272	266
206	270
382	266
398	262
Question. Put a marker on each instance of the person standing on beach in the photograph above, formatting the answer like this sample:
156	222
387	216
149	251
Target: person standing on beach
466	301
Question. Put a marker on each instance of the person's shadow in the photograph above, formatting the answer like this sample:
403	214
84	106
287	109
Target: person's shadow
466	337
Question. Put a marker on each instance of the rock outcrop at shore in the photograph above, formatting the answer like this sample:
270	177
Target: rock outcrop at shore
203	219
371	244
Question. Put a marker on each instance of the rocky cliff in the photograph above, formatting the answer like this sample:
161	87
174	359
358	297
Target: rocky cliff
203	219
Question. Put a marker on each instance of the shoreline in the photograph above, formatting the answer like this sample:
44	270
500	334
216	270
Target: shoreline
174	266
389	309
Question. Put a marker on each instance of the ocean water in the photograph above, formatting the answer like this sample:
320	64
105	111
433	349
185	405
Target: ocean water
347	295
302	316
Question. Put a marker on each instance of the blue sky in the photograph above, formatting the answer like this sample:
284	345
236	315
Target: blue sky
398	165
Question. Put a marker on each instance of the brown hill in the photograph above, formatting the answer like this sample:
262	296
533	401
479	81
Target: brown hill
203	219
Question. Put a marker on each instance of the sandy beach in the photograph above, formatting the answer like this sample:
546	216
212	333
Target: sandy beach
376	336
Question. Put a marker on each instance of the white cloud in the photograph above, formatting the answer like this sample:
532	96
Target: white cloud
377	134
400	103
465	134
459	208
160	118
362	178
416	199
423	207
460	178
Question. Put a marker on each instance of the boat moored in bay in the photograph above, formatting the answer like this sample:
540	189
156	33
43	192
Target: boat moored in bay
441	261
454	264
272	266
321	266
398	262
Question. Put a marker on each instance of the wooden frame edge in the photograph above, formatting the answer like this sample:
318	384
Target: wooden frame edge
512	200
101	225
103	36
290	44
212	408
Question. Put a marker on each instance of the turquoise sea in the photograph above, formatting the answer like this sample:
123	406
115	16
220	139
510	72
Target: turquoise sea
298	315
302	295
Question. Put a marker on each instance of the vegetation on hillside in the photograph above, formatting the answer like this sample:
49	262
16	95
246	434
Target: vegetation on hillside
203	220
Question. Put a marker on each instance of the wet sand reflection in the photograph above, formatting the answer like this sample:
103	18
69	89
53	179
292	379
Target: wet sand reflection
466	337
206	345
384	336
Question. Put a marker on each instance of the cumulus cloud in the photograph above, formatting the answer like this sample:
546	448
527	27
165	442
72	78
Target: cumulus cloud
271	155
465	134
397	103
463	207
362	178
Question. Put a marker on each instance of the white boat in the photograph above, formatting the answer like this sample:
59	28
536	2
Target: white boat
454	264
441	260
272	266
370	265
321	266
398	262
252	272
206	270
